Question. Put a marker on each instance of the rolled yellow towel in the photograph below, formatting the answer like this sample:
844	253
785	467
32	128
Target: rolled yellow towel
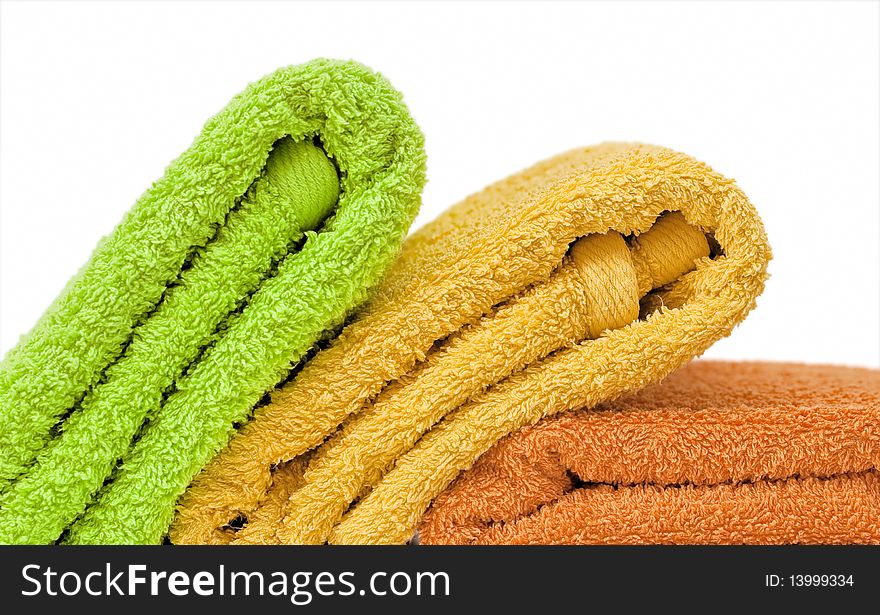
582	278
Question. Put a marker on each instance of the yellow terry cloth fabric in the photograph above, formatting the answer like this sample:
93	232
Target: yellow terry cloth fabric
584	277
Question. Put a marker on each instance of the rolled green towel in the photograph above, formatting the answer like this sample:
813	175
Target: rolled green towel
261	237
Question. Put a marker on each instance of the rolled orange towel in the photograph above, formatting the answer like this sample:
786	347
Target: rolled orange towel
719	453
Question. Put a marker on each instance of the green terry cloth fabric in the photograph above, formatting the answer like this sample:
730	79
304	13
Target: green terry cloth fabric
257	241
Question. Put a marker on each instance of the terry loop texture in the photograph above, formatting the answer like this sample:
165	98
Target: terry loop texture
220	279
757	453
518	303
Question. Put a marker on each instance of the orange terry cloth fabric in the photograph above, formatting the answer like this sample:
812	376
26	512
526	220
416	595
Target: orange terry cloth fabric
719	453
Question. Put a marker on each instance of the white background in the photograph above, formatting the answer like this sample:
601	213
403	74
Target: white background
97	98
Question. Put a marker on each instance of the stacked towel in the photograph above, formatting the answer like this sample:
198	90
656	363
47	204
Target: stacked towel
756	453
258	241
587	276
